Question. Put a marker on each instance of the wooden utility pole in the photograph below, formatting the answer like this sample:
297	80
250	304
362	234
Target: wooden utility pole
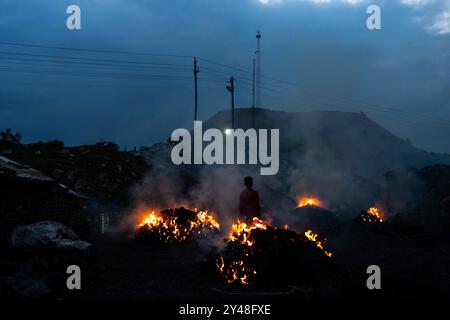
231	89
196	71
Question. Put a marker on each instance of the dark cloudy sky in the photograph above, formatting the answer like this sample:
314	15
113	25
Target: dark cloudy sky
321	50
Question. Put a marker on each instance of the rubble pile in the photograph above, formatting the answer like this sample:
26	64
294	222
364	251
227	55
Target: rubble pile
99	171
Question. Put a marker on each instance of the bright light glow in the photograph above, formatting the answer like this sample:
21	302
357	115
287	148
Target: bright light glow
228	131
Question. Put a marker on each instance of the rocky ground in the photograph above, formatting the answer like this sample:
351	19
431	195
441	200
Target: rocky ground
414	265
412	268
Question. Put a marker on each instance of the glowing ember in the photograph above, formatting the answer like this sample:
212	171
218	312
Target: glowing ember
176	225
373	215
204	220
236	271
151	220
313	237
241	231
308	201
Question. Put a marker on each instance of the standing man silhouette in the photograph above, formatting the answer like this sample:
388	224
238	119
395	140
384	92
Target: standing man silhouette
249	206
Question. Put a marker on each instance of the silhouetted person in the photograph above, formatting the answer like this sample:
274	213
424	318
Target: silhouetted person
249	206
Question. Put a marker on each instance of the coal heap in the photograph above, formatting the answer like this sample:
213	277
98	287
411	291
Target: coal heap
175	225
314	217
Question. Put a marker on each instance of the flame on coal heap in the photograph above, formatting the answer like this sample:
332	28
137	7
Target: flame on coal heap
373	215
308	201
151	219
236	271
168	229
204	220
313	237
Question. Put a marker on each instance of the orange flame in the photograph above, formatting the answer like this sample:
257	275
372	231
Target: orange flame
236	270
152	219
373	215
241	231
168	228
308	201
313	237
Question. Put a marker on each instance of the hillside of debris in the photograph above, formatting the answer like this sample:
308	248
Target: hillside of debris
100	171
345	140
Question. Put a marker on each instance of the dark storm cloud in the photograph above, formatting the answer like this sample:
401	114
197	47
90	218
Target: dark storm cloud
399	76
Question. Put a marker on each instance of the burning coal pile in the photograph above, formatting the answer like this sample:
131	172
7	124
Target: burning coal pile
309	202
372	216
311	214
176	225
263	256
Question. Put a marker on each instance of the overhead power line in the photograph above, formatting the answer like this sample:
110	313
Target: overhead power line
107	75
214	74
95	59
94	50
55	63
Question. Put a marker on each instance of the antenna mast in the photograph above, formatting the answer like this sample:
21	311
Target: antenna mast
258	70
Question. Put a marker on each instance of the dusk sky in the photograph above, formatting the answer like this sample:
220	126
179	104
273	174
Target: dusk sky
316	55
